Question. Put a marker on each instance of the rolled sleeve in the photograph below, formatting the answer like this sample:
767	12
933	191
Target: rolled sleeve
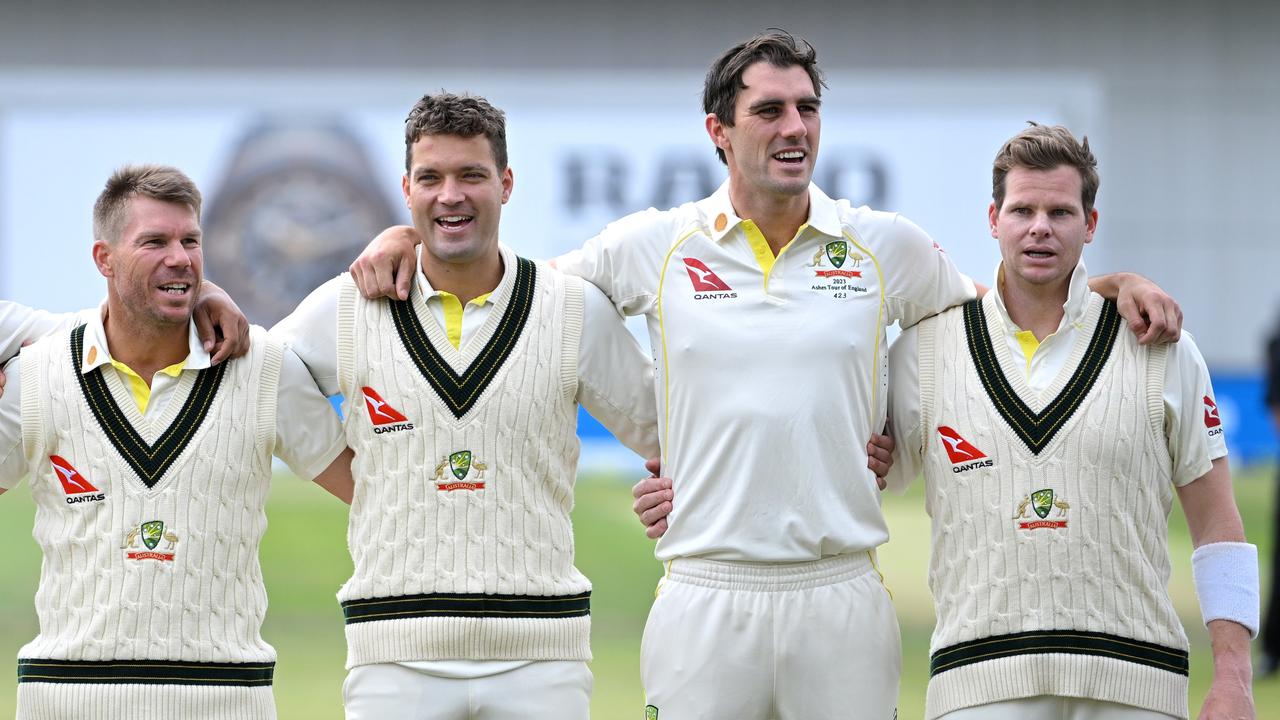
308	434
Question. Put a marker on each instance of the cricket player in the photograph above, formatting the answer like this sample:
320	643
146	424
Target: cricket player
461	404
1052	445
149	467
767	305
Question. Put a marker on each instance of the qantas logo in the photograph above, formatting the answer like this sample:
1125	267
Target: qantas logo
964	456
1212	420
78	489
385	418
706	284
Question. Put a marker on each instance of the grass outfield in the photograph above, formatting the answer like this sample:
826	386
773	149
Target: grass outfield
304	560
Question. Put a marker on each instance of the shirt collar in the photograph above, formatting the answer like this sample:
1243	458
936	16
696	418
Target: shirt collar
823	215
97	354
1073	309
504	285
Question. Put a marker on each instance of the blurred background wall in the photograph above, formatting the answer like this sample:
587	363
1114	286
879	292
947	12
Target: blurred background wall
288	115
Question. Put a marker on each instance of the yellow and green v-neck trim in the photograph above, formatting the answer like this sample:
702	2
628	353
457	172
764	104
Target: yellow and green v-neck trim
461	392
150	462
1037	429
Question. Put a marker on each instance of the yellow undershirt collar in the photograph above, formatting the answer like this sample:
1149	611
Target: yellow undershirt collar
453	314
760	247
138	387
1029	344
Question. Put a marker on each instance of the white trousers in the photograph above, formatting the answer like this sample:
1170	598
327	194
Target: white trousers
558	689
1046	707
772	641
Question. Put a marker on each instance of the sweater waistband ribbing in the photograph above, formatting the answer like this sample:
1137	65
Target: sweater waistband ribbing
467	605
146	672
1073	642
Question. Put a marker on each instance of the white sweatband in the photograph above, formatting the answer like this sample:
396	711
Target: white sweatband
1226	577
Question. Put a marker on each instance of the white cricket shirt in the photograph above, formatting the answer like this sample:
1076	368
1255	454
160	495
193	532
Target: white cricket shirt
19	324
770	371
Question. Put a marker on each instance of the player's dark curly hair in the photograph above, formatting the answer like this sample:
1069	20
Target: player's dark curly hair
777	47
462	115
1045	147
159	182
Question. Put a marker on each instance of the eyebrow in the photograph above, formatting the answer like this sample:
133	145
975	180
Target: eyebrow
761	104
465	168
157	234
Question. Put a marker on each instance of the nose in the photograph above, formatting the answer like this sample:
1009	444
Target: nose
177	255
451	192
793	124
1040	226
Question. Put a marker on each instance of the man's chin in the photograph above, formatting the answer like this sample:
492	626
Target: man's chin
792	186
456	251
172	315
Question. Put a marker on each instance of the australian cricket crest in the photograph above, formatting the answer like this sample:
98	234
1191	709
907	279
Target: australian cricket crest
837	252
467	471
838	280
1042	503
650	712
151	534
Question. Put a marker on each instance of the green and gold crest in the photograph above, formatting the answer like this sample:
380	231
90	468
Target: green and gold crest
650	712
151	533
837	251
460	463
1042	502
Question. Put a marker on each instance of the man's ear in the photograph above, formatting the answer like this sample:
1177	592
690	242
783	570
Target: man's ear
716	131
102	258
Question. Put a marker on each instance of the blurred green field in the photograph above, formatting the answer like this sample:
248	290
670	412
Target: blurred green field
304	559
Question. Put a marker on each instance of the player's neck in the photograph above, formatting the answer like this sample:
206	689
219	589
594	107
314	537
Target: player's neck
465	281
146	346
779	217
1037	308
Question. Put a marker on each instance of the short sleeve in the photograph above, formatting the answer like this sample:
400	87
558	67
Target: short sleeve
615	376
904	410
309	435
625	259
19	324
1194	428
311	331
13	457
920	278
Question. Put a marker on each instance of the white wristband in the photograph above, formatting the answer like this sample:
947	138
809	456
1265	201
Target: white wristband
1226	577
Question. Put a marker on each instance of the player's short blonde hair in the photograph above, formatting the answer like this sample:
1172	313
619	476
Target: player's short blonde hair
1045	147
158	182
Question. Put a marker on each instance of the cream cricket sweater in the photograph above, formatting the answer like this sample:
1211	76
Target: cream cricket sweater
1050	561
151	597
464	470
